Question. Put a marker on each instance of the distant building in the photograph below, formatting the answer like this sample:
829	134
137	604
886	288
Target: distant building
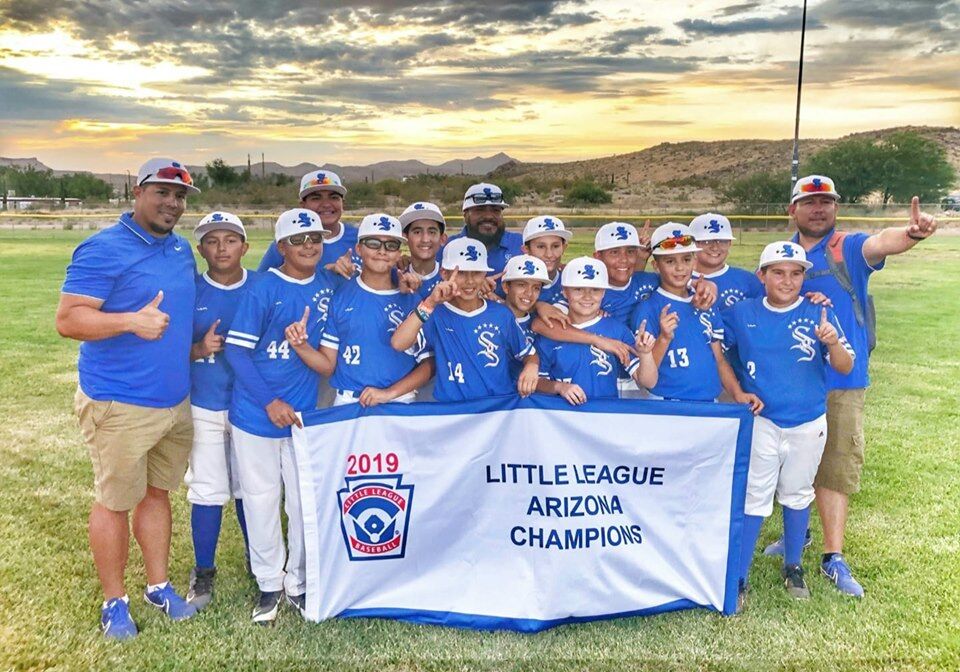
39	203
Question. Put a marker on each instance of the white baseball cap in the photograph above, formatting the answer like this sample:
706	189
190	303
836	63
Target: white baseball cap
525	267
321	180
678	237
545	225
585	272
483	194
165	171
814	185
380	224
711	226
784	251
466	254
298	220
219	221
616	234
422	210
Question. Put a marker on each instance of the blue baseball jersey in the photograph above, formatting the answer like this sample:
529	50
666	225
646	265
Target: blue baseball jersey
211	378
125	267
620	302
333	249
688	371
497	257
528	337
430	280
588	366
552	292
785	364
733	285
819	279
271	305
359	324
474	350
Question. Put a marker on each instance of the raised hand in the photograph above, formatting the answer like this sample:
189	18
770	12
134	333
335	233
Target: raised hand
343	266
645	340
445	290
409	282
921	224
150	322
296	333
825	331
210	343
705	293
668	322
489	285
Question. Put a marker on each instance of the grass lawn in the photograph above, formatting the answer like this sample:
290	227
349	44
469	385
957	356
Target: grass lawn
903	540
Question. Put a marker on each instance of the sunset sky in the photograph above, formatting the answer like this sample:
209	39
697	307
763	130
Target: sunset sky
100	84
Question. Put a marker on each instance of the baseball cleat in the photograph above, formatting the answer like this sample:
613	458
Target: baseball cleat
838	572
200	592
167	600
298	602
793	580
115	621
265	613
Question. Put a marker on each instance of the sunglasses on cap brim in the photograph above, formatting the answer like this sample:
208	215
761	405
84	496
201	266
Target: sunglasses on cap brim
170	173
483	199
674	243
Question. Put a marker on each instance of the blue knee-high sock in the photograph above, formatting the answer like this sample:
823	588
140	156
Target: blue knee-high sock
748	542
795	522
205	524
242	519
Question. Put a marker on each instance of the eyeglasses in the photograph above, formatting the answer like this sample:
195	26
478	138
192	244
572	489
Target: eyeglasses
171	173
483	199
376	244
314	237
673	243
815	186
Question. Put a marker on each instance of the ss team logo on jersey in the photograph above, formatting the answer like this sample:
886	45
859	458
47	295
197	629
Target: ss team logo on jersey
322	300
601	360
486	332
801	330
729	297
374	515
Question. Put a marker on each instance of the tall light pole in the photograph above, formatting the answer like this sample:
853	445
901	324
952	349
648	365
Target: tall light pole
795	165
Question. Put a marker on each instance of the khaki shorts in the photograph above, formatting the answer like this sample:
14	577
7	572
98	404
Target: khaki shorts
132	447
842	459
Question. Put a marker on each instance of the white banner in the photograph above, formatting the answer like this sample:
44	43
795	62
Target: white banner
522	514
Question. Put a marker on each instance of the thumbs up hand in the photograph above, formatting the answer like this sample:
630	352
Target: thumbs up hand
150	322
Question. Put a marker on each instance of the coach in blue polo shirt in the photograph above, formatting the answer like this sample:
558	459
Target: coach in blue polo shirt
842	265
129	298
483	206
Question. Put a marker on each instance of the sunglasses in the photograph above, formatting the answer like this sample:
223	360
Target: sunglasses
171	173
481	199
300	238
815	187
673	243
376	244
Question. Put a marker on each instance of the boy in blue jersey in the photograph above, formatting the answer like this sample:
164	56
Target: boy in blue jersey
523	278
355	347
546	238
687	350
474	339
785	343
271	385
322	192
714	234
424	227
212	477
578	372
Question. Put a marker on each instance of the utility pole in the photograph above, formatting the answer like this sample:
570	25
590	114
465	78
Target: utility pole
263	167
795	165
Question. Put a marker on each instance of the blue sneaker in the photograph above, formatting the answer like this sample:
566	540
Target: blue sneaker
776	548
115	620
838	571
173	605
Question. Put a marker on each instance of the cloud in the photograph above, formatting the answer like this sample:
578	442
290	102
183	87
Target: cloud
621	41
788	21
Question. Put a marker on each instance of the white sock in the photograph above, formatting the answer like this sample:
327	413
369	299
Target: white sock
122	597
157	586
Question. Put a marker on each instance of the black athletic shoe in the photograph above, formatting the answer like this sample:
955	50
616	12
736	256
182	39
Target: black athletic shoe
200	592
265	613
298	602
793	580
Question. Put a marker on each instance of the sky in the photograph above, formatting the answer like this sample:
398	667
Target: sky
102	84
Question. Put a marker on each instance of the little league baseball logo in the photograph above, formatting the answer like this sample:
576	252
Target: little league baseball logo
374	515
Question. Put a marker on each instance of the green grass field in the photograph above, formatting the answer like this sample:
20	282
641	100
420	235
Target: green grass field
903	539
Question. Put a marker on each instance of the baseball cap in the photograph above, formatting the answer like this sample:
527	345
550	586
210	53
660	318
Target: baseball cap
525	267
483	194
321	180
379	224
673	238
165	171
616	234
467	254
422	210
711	226
545	225
297	220
585	272
219	221
812	185
774	253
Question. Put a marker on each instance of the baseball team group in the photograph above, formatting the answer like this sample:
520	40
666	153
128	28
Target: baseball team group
198	375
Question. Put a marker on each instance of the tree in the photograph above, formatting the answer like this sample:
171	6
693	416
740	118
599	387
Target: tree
914	166
222	175
758	188
855	165
584	192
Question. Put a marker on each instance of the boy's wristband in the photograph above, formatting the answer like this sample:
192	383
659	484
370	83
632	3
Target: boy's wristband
422	313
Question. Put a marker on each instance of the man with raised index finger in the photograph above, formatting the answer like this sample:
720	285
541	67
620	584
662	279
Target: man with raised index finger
128	297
